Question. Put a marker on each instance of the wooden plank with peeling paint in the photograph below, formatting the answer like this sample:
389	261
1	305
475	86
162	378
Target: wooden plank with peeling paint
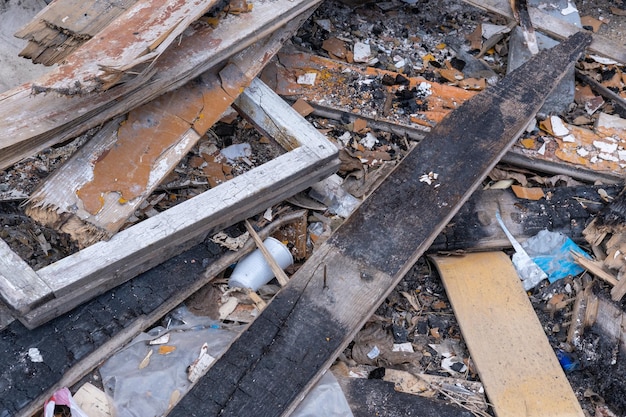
138	36
104	265
30	123
64	25
299	334
89	199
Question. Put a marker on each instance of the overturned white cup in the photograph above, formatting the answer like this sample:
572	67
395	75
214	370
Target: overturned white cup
253	271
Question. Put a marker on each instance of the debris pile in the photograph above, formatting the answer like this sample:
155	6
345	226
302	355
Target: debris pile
391	152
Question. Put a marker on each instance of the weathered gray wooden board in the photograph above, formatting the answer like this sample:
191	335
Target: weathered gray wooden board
104	265
278	358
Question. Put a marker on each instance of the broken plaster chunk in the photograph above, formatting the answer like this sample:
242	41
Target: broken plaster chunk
582	152
307	79
608	157
35	355
608	121
362	52
605	147
558	127
621	155
424	89
569	138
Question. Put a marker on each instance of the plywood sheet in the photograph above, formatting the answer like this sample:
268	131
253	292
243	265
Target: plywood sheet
520	371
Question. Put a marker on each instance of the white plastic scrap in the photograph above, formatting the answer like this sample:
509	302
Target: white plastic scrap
35	355
571	8
430	178
373	354
369	140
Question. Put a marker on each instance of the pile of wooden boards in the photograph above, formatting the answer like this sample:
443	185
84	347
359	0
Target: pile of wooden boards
176	76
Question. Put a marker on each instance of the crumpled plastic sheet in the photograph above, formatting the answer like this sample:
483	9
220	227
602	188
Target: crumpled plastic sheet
147	391
551	251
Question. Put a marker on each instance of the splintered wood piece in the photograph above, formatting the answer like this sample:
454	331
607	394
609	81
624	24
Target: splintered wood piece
20	286
64	25
280	275
520	12
268	368
520	371
30	123
92	195
137	36
595	267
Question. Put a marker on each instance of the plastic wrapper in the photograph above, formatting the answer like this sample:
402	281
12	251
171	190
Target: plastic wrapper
62	397
551	251
325	399
141	383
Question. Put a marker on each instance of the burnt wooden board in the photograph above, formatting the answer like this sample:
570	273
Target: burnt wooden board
282	353
563	209
375	397
74	344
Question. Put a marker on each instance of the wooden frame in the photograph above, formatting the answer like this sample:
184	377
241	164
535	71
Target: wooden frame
38	296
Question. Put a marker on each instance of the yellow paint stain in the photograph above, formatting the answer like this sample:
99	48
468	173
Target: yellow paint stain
166	349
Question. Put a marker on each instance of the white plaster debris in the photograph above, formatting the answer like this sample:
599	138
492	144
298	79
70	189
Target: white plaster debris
542	150
35	355
621	155
307	79
605	147
608	157
582	152
569	138
362	52
430	178
424	89
558	127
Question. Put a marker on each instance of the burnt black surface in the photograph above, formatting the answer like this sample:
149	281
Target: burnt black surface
68	339
375	397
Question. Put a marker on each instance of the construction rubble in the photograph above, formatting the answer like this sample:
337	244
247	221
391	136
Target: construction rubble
312	208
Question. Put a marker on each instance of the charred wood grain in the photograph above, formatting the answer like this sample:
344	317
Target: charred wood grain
279	357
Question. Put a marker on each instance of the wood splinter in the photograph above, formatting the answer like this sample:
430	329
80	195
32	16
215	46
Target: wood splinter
282	278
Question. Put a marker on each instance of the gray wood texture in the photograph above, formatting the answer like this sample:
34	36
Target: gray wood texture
30	123
104	265
285	350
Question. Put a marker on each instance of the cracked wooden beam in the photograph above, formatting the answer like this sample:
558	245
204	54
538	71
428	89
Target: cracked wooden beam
135	38
64	25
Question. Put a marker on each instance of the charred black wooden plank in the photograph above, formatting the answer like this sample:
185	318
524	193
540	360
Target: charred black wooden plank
66	341
308	322
375	397
564	209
